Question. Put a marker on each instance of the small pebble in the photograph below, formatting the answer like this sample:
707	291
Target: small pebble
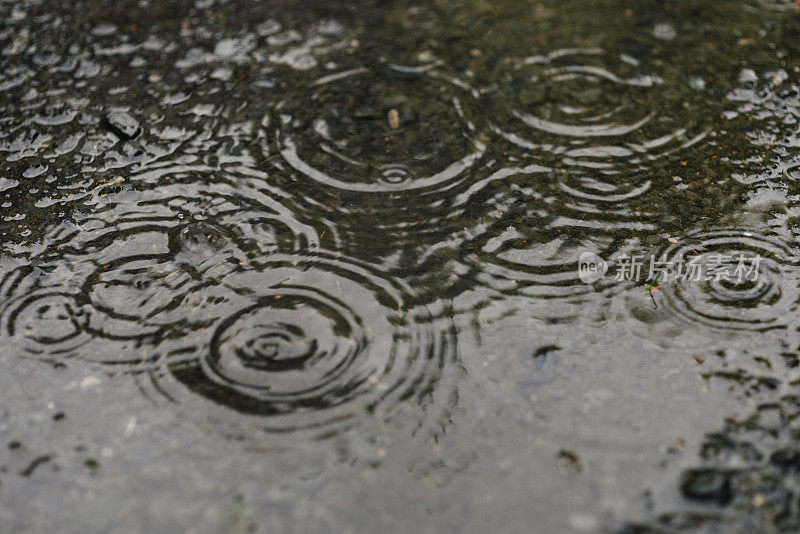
394	119
707	485
123	125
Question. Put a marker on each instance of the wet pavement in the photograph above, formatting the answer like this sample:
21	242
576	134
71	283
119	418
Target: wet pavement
314	266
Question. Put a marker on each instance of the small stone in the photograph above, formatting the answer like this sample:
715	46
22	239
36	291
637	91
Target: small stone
707	485
91	463
786	459
568	460
394	119
123	125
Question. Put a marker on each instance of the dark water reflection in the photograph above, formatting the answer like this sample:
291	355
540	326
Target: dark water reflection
313	265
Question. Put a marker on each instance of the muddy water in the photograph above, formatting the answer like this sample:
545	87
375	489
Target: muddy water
313	266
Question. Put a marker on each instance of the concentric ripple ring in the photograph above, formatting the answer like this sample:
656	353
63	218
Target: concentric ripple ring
306	342
383	129
733	280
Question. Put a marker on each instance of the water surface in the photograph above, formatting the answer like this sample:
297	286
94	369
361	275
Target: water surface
313	266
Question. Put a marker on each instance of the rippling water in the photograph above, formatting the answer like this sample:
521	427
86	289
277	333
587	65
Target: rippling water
314	266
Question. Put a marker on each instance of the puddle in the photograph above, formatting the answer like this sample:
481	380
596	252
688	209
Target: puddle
352	267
